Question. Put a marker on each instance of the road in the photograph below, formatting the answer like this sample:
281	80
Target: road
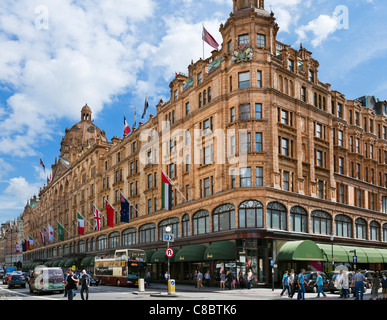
182	293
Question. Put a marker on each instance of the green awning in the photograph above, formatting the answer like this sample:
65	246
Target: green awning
383	252
373	255
222	250
87	262
361	256
159	256
48	263
55	263
149	254
61	263
69	263
339	254
193	252
300	251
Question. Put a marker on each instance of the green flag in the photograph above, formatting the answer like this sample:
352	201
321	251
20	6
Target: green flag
60	232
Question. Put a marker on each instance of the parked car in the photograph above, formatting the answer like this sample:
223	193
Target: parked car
47	279
332	282
311	278
16	280
1	274
369	276
93	279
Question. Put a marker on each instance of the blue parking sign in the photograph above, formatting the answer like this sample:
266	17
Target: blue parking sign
354	259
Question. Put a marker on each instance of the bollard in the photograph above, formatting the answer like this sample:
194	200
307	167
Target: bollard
171	286
141	285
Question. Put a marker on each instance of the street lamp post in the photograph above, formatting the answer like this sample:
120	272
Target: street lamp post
168	230
333	259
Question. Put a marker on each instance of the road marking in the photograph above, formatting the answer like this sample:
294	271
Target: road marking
26	295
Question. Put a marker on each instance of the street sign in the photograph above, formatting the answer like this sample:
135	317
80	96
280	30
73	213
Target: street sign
354	259
168	237
169	252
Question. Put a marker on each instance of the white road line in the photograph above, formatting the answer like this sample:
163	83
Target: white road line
26	295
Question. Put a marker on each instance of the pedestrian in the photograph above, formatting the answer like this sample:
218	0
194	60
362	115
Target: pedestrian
384	286
359	284
339	283
195	278
166	276
249	279
199	280
345	285
292	284
65	280
148	277
71	284
301	287
241	280
285	283
207	277
229	279
222	280
375	285
84	281
319	284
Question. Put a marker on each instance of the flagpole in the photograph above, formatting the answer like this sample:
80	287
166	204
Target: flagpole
173	184
203	39
134	207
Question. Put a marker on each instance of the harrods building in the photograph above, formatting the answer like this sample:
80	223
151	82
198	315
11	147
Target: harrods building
313	174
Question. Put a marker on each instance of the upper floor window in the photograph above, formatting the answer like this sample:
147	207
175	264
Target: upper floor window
244	80
243	39
261	40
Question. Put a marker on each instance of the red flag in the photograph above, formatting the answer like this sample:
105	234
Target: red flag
109	214
209	39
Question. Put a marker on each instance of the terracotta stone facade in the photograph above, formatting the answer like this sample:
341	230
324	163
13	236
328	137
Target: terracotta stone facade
306	146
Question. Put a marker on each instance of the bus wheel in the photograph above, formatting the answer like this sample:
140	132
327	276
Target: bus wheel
118	283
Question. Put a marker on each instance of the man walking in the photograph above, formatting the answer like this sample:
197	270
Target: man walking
199	280
71	284
359	284
292	283
319	283
285	284
85	284
301	287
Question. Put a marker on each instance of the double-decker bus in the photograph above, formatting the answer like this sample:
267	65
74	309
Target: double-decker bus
124	269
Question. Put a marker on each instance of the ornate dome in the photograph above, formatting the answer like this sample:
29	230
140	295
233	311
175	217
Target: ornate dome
81	136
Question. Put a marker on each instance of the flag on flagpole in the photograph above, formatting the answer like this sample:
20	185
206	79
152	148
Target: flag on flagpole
81	224
166	192
146	105
17	247
42	164
46	236
134	120
126	127
124	209
30	243
42	237
110	214
209	39
50	234
97	219
24	248
60	232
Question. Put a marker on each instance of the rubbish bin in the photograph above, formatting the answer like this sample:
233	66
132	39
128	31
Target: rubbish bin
141	285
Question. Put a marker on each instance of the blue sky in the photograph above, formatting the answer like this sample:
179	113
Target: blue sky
56	56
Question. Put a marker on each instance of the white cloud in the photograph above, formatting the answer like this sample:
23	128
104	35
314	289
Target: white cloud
87	55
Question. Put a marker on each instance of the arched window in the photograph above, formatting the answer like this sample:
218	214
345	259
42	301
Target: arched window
298	219
174	223
343	226
92	248
81	246
186	225
114	240
102	242
276	216
321	222
374	231
201	223
385	232
361	228
223	217
147	233
250	214
129	237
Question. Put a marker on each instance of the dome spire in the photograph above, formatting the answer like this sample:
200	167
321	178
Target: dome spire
86	113
242	4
